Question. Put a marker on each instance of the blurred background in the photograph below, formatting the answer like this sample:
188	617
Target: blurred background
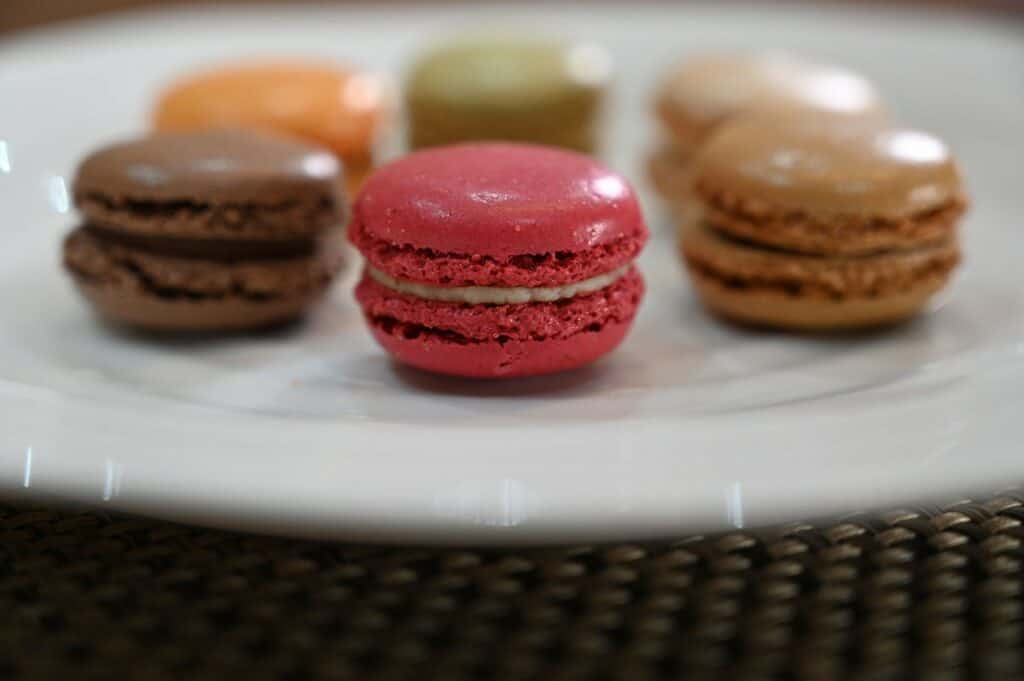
21	14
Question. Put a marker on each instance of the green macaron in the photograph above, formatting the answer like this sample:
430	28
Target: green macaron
508	88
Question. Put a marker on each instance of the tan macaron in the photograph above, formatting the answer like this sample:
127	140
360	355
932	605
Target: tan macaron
822	224
702	93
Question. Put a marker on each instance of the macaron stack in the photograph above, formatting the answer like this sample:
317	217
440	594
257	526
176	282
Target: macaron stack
206	231
701	94
498	260
334	107
822	224
509	89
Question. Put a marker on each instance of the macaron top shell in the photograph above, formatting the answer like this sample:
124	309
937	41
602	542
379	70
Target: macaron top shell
498	200
821	167
341	109
216	165
702	92
507	73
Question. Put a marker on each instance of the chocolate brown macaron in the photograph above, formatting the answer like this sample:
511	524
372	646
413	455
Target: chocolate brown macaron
822	225
206	231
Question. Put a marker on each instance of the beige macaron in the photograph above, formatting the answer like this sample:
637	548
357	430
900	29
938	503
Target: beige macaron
822	224
702	93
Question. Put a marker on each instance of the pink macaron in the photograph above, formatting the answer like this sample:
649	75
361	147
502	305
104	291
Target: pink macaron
498	260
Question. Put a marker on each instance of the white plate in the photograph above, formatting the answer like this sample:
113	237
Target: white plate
690	426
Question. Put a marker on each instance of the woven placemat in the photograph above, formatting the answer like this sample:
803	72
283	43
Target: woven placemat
918	593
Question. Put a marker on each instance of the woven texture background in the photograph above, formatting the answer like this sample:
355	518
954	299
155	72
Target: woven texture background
927	593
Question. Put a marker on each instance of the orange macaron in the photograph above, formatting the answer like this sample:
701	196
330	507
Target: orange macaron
335	107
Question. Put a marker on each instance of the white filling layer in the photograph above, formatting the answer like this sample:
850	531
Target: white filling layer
497	295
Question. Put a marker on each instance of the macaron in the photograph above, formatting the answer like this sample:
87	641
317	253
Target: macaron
506	88
343	110
206	231
700	94
498	260
822	225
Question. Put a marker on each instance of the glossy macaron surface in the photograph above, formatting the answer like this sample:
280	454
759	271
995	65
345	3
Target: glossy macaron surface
828	166
212	184
498	200
221	165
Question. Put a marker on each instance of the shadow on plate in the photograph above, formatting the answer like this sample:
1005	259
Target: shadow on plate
565	384
737	330
281	331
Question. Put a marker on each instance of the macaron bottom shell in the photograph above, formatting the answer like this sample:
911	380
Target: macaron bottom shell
761	287
768	309
500	359
189	316
501	341
133	285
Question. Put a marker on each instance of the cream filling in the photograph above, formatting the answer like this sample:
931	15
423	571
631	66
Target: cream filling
498	295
